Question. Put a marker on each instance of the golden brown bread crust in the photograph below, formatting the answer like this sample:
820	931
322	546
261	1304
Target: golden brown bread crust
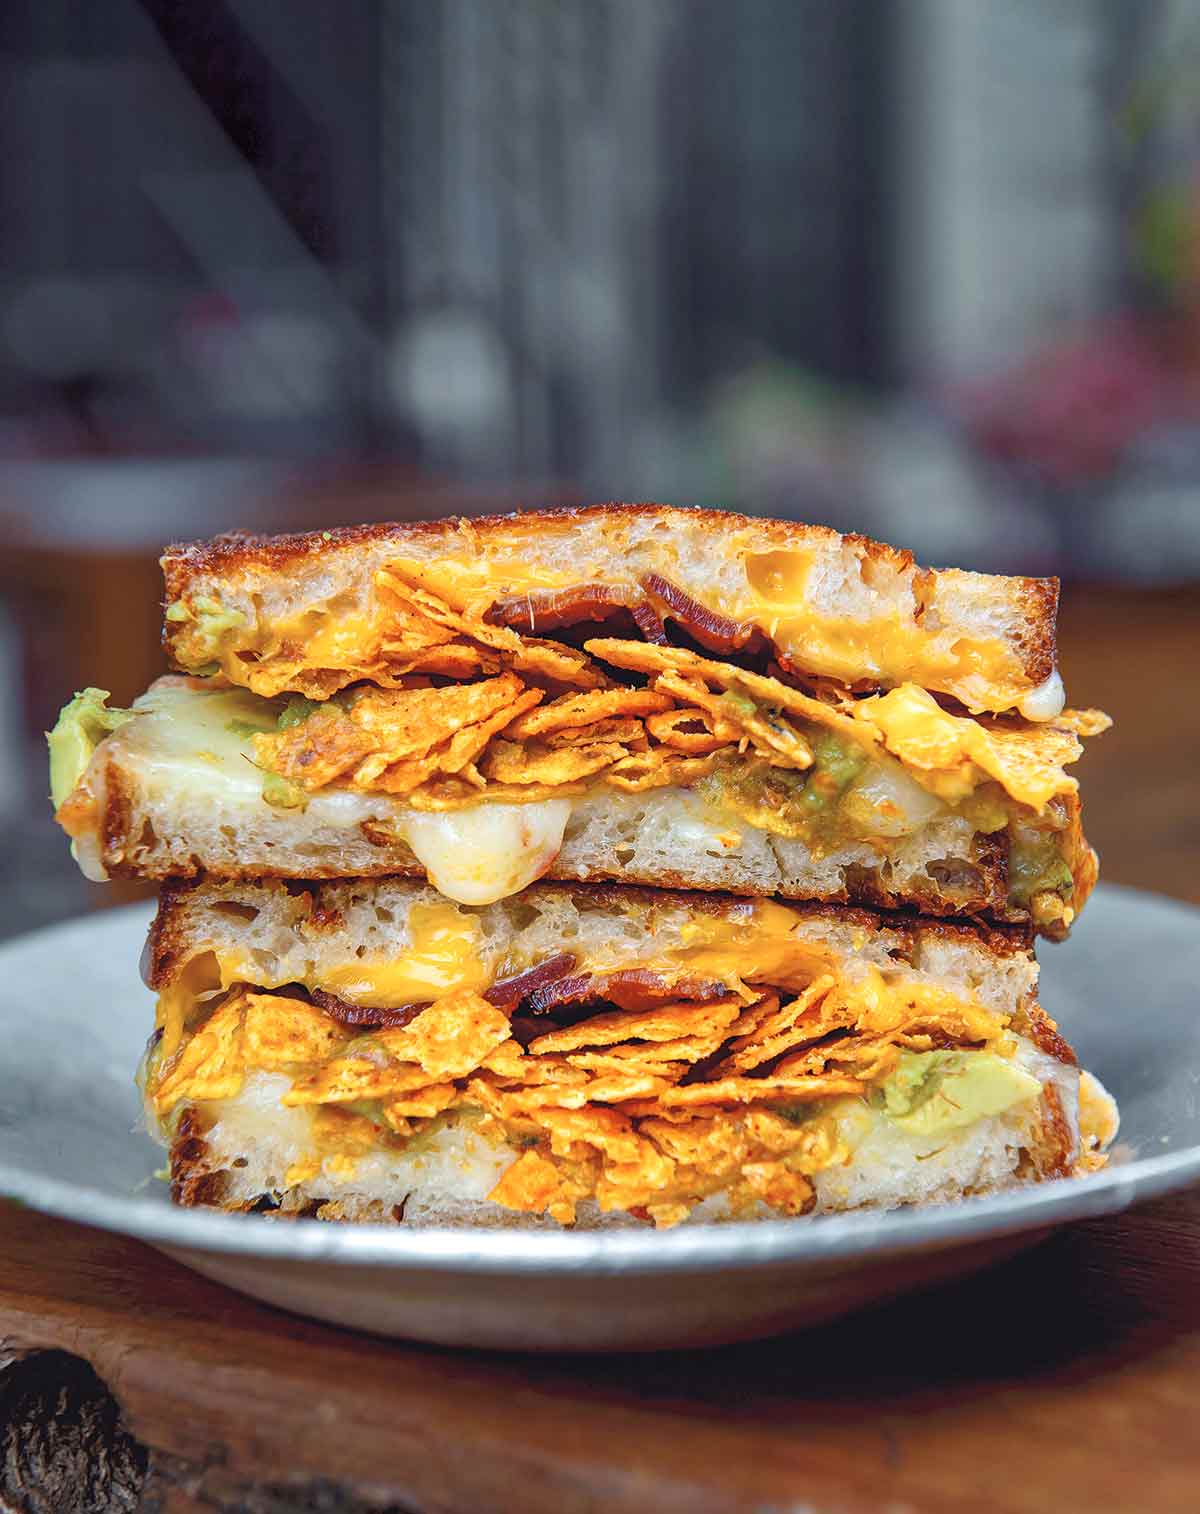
236	552
169	941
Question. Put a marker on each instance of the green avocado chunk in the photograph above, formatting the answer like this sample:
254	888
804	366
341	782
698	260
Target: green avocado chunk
931	1092
1037	867
80	728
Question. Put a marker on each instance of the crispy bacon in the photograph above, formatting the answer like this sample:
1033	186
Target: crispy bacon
633	988
553	609
650	623
639	988
549	610
564	991
509	992
715	632
358	1014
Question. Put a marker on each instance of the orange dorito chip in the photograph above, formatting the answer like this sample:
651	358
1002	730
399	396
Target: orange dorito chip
506	762
662	1058
715	1142
211	1064
315	752
605	1129
665	1022
533	1185
452	757
613	1089
690	668
352	1077
626	731
281	1032
454	659
576	710
508	1060
782	1030
410	722
767	729
449	1039
779	1187
692	730
423	1104
394	739
657	769
749	1090
552	662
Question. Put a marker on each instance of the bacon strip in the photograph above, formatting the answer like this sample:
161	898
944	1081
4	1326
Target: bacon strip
633	988
548	610
716	632
639	988
358	1014
509	992
650	624
564	991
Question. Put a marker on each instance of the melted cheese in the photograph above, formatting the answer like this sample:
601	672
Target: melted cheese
758	944
1047	701
467	583
327	641
887	646
174	1006
488	852
947	753
445	954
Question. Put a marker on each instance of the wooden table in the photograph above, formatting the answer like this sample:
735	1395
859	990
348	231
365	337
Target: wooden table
1066	1379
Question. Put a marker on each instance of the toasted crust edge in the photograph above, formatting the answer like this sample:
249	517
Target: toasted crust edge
167	941
234	551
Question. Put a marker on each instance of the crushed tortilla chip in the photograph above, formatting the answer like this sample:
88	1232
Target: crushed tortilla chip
664	1022
279	1032
423	1104
209	1065
507	762
534	1185
693	730
450	1038
577	710
349	1078
629	731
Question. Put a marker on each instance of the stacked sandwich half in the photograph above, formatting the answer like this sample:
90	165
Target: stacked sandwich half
626	864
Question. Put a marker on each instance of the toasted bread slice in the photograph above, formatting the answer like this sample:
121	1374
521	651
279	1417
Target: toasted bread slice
310	613
175	791
591	1056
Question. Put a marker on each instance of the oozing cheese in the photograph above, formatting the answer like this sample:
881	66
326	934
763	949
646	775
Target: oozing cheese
488	852
200	739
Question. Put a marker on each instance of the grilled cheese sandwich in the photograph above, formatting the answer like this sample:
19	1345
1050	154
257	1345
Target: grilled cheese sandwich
373	1051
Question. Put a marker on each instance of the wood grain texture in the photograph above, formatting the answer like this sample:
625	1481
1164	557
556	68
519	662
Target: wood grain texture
1067	1379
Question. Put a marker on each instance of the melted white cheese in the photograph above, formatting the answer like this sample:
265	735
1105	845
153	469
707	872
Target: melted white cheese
189	736
490	851
1046	701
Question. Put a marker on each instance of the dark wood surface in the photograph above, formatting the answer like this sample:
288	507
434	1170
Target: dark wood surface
1066	1379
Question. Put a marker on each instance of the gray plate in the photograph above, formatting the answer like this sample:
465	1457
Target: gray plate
74	1018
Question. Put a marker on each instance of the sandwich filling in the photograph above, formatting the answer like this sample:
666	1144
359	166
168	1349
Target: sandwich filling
482	775
841	607
741	1060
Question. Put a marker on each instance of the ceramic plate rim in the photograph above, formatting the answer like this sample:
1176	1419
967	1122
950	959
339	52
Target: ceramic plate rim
738	1246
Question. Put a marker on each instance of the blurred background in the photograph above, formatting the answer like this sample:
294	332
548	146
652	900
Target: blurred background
925	269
